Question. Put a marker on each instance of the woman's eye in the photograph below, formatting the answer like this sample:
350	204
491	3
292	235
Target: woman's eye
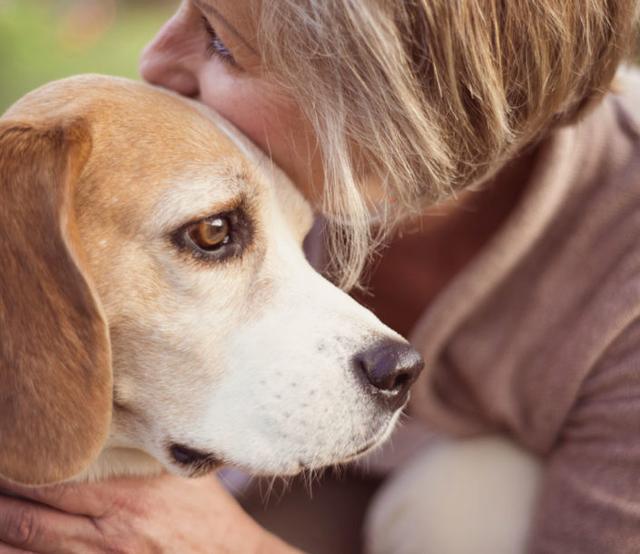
210	235
215	46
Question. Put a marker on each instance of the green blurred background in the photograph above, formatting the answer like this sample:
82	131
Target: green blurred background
42	40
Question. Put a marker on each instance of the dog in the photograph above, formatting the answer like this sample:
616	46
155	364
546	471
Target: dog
157	312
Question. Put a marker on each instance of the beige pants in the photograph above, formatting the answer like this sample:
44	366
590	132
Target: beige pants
465	497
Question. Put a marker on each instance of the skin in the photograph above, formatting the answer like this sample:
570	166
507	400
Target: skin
170	514
167	514
178	58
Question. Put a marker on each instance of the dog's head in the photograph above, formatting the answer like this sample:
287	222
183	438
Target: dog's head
154	296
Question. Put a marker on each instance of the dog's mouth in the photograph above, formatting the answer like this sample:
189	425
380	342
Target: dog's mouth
367	448
374	443
195	462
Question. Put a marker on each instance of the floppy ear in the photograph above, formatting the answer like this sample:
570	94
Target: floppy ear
55	366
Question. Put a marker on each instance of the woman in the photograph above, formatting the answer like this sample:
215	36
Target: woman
523	296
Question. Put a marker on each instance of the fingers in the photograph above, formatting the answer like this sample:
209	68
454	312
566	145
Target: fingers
80	499
6	549
28	526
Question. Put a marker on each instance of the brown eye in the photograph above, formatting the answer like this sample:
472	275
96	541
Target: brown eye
210	234
217	238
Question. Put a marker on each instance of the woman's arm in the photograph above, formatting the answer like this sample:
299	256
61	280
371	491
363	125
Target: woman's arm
590	500
163	514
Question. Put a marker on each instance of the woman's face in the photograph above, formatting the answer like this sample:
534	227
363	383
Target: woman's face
208	51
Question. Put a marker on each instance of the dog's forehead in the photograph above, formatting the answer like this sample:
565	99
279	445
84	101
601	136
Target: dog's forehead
136	128
180	159
190	162
158	131
153	148
157	158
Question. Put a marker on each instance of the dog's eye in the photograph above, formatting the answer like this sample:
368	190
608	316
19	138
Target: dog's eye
216	238
210	234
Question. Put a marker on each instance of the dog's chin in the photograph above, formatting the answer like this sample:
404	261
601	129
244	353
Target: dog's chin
299	466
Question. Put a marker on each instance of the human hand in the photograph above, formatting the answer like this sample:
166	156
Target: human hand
160	514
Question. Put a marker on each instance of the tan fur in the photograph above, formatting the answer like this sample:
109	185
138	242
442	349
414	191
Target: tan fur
55	369
67	170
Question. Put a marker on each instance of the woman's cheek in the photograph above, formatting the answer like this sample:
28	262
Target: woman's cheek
237	99
274	123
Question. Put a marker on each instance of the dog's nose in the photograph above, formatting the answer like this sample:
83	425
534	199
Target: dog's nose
391	367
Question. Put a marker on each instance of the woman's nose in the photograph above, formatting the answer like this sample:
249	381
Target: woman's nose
171	60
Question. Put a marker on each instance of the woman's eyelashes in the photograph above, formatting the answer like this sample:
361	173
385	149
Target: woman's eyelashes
215	46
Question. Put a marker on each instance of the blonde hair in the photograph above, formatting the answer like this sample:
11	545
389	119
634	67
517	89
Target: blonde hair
435	95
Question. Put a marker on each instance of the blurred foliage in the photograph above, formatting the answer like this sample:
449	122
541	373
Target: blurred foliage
43	40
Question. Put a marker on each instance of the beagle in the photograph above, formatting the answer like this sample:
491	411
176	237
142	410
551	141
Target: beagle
156	308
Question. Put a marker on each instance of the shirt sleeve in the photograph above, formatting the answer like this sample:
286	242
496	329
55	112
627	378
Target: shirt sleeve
590	497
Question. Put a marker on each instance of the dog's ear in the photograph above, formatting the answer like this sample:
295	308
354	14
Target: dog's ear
55	366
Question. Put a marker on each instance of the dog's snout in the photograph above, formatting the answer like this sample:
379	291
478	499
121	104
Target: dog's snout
391	367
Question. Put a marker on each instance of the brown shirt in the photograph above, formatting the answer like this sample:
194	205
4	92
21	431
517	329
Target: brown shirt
539	336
